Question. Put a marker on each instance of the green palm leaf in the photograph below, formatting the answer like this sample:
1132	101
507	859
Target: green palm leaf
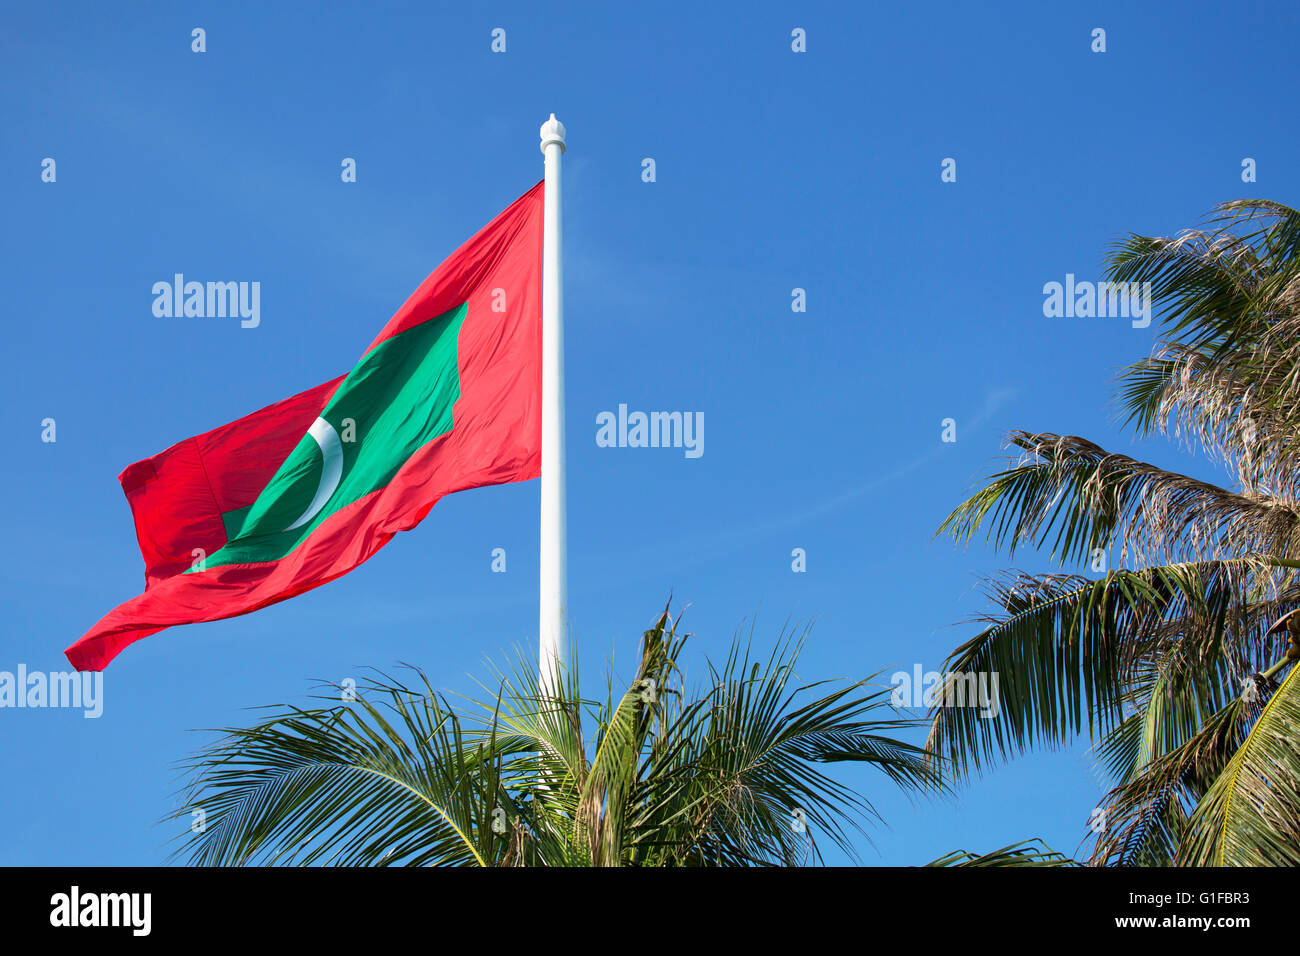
1026	853
1250	816
388	779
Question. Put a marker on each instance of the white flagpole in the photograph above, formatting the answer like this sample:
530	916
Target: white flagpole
554	590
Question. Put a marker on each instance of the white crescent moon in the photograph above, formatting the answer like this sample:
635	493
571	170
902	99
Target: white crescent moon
331	452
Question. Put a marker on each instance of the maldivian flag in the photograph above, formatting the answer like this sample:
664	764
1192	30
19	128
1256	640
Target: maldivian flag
447	397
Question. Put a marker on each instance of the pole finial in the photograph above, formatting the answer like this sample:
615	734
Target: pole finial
552	132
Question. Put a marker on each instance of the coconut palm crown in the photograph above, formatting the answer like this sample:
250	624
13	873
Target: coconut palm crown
1177	661
654	774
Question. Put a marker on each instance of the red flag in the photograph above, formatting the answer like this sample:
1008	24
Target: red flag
447	397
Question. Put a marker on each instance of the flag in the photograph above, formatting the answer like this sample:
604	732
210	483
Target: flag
447	397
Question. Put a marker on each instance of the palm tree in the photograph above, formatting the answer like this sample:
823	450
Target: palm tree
1174	663
731	775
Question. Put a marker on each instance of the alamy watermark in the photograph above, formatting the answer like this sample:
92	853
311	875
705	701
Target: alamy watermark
208	300
64	689
954	689
651	430
1103	300
127	910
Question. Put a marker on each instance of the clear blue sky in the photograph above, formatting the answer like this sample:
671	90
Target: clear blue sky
775	170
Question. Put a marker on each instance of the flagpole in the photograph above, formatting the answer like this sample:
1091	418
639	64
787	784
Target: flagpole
553	593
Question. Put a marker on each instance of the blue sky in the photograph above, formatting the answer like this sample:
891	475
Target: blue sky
775	170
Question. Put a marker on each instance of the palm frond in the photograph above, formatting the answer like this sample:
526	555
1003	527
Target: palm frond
1074	498
1026	853
1250	815
1065	649
389	778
